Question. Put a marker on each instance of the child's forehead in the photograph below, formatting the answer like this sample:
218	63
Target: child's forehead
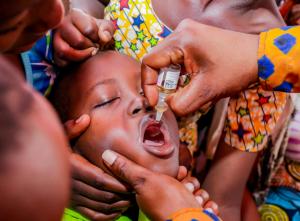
110	65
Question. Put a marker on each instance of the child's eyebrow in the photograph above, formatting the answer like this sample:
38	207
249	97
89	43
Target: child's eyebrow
106	81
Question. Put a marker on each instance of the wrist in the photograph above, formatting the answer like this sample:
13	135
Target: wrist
253	54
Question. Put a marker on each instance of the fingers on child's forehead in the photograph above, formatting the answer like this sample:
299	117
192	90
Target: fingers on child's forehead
86	24
75	38
105	25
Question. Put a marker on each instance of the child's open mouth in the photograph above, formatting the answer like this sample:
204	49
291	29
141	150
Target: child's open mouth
156	138
153	135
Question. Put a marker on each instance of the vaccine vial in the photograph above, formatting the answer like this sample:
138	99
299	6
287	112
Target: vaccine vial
167	84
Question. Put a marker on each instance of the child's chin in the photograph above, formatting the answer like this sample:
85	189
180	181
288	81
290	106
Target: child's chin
170	170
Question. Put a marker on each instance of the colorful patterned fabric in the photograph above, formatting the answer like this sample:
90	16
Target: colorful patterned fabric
138	31
138	28
279	52
251	118
274	169
38	64
193	215
282	204
287	175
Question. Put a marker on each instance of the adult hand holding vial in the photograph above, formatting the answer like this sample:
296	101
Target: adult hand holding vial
167	84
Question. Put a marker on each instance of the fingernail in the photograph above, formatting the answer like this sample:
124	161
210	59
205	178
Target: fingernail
200	200
104	35
109	157
78	120
214	206
94	51
190	187
205	195
107	35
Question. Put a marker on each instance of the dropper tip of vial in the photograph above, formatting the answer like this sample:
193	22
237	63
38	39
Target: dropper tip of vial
158	116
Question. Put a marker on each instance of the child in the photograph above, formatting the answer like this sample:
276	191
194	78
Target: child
121	120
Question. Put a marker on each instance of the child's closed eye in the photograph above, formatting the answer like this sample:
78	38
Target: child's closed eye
244	5
106	102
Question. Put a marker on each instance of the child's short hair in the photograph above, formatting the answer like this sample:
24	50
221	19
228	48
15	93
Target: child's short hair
59	96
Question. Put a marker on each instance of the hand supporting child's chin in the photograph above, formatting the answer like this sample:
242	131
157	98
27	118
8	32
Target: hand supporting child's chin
94	193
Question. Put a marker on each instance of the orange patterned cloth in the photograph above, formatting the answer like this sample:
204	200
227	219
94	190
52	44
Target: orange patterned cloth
279	53
193	215
251	118
287	175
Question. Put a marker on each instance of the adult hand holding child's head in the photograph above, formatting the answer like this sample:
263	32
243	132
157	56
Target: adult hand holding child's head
218	67
170	195
95	194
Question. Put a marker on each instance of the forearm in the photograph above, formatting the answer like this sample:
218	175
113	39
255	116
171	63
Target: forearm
278	64
227	179
91	7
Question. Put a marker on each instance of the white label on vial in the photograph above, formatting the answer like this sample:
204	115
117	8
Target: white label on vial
168	79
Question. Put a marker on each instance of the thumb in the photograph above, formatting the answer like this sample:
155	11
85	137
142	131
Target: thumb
182	173
126	170
160	56
192	97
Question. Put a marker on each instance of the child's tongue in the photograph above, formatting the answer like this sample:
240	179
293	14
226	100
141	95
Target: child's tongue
153	135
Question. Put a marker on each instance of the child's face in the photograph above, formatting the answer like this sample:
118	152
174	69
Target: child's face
108	88
22	22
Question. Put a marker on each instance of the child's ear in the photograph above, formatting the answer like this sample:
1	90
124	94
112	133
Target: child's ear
75	127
